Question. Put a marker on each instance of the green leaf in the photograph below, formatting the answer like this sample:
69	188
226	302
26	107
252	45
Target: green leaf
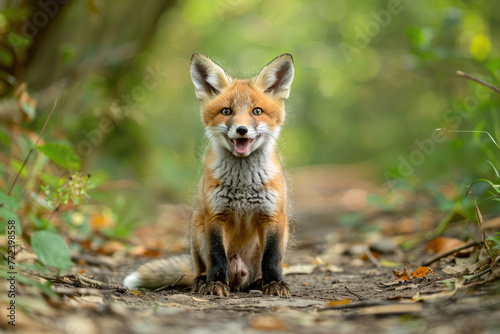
494	168
4	138
62	155
494	186
6	58
18	42
51	250
8	201
7	215
17	165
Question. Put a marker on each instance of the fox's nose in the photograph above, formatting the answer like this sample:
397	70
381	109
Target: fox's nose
241	130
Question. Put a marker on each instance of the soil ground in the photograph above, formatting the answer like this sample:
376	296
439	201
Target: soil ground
335	287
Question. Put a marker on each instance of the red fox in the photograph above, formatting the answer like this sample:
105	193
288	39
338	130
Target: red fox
239	228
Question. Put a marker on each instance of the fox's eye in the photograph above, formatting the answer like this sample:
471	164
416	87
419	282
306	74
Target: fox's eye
226	111
257	112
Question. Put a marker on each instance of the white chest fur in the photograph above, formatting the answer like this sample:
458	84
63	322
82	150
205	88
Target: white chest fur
242	183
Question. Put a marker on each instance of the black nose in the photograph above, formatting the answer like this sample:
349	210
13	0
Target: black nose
242	130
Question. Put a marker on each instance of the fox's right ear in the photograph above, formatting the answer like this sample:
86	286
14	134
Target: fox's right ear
208	78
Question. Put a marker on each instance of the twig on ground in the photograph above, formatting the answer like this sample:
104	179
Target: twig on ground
361	304
72	291
78	279
451	251
468	76
372	258
478	274
168	286
352	293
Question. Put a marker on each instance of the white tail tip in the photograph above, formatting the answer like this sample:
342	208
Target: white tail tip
132	281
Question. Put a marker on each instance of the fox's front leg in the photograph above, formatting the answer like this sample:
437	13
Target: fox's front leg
217	273
275	238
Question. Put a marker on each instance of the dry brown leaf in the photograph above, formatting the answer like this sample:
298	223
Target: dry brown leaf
306	269
364	256
402	275
464	269
339	302
399	308
443	244
98	221
330	268
110	247
268	323
135	292
26	104
141	251
86	244
423	271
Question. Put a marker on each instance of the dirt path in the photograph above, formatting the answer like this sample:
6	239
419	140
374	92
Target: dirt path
335	286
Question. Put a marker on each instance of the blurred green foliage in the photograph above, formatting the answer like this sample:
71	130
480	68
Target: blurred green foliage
374	79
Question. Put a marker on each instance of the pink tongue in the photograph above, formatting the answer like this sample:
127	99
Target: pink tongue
241	145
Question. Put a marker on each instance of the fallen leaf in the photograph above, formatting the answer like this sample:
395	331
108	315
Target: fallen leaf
268	323
99	221
423	271
402	275
464	269
388	264
443	244
339	302
370	272
399	308
393	283
199	299
299	269
458	282
135	292
145	252
86	244
330	268
26	104
365	257
406	287
110	247
433	297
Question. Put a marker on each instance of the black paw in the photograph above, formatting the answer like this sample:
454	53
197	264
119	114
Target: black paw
215	288
198	283
276	289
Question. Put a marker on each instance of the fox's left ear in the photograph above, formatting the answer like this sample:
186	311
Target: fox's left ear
277	76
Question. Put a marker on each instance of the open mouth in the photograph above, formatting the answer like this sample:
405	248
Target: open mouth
242	145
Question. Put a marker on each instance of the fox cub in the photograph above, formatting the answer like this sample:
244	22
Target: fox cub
239	227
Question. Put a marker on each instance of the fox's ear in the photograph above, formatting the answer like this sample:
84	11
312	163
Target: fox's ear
208	78
277	76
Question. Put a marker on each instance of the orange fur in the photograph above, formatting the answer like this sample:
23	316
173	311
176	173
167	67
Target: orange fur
239	228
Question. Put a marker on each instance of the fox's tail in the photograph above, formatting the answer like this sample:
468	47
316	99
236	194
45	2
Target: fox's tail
159	273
